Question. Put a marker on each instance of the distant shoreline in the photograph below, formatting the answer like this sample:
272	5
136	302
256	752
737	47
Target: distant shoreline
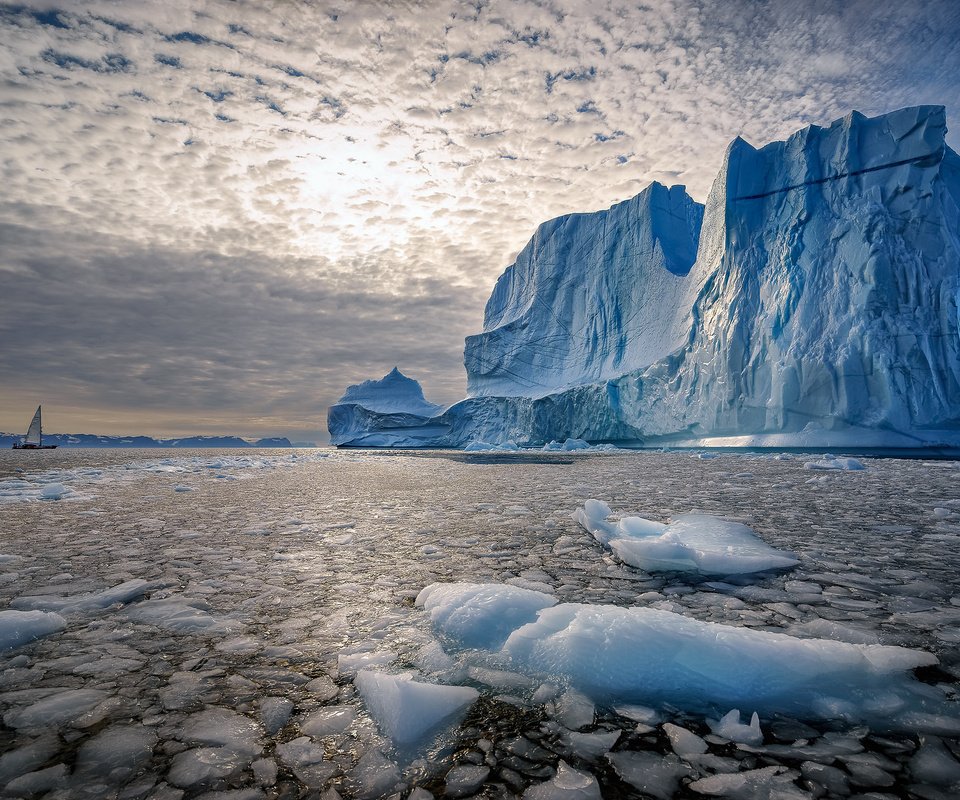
92	440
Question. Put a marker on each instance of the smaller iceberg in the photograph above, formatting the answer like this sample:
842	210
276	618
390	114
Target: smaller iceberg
690	543
390	412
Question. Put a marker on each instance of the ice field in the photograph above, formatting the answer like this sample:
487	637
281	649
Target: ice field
320	623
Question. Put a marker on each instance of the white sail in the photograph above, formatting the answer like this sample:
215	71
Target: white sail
33	432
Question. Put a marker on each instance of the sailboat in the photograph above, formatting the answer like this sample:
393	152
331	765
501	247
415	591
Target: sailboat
34	438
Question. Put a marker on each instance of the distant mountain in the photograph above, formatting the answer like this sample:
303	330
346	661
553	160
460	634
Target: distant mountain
94	440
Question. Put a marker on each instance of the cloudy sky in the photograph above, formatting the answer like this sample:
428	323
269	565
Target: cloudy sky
216	215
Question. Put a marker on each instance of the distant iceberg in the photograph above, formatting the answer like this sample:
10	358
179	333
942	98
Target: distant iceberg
390	412
813	301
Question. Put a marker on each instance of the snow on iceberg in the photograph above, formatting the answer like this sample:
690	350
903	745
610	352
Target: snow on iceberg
621	655
690	543
408	710
813	301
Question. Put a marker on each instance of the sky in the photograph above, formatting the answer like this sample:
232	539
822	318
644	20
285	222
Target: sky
214	216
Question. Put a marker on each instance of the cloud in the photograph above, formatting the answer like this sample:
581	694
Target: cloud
313	163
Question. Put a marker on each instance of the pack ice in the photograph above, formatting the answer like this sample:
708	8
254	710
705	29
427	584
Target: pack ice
812	301
665	658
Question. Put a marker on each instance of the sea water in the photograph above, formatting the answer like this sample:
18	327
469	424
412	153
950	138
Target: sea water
244	623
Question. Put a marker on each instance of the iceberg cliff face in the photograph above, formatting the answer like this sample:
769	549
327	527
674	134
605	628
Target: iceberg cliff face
833	301
592	296
814	300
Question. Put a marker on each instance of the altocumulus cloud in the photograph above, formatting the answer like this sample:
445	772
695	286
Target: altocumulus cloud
229	210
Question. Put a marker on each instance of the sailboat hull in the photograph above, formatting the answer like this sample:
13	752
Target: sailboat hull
34	447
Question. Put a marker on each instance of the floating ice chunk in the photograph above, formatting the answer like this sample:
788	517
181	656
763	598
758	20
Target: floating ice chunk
116	754
203	764
222	727
182	488
306	760
275	711
181	615
407	710
934	763
122	593
567	784
730	727
19	627
351	663
590	746
327	721
592	517
754	784
501	679
265	771
374	776
28	757
691	543
835	463
653	774
684	742
480	615
36	783
464	779
55	491
574	710
58	709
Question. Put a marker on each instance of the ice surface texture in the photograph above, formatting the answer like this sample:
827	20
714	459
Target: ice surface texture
690	543
664	657
814	299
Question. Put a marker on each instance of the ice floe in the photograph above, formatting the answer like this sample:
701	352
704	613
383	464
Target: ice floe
19	627
836	463
407	710
691	542
664	657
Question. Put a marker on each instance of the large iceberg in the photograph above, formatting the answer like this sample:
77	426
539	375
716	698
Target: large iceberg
812	302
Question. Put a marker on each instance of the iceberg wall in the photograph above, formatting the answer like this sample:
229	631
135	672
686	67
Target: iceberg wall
812	301
592	296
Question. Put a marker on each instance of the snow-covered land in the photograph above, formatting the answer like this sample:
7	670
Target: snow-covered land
812	302
300	624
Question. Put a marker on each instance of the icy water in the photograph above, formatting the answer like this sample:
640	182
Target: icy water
253	585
